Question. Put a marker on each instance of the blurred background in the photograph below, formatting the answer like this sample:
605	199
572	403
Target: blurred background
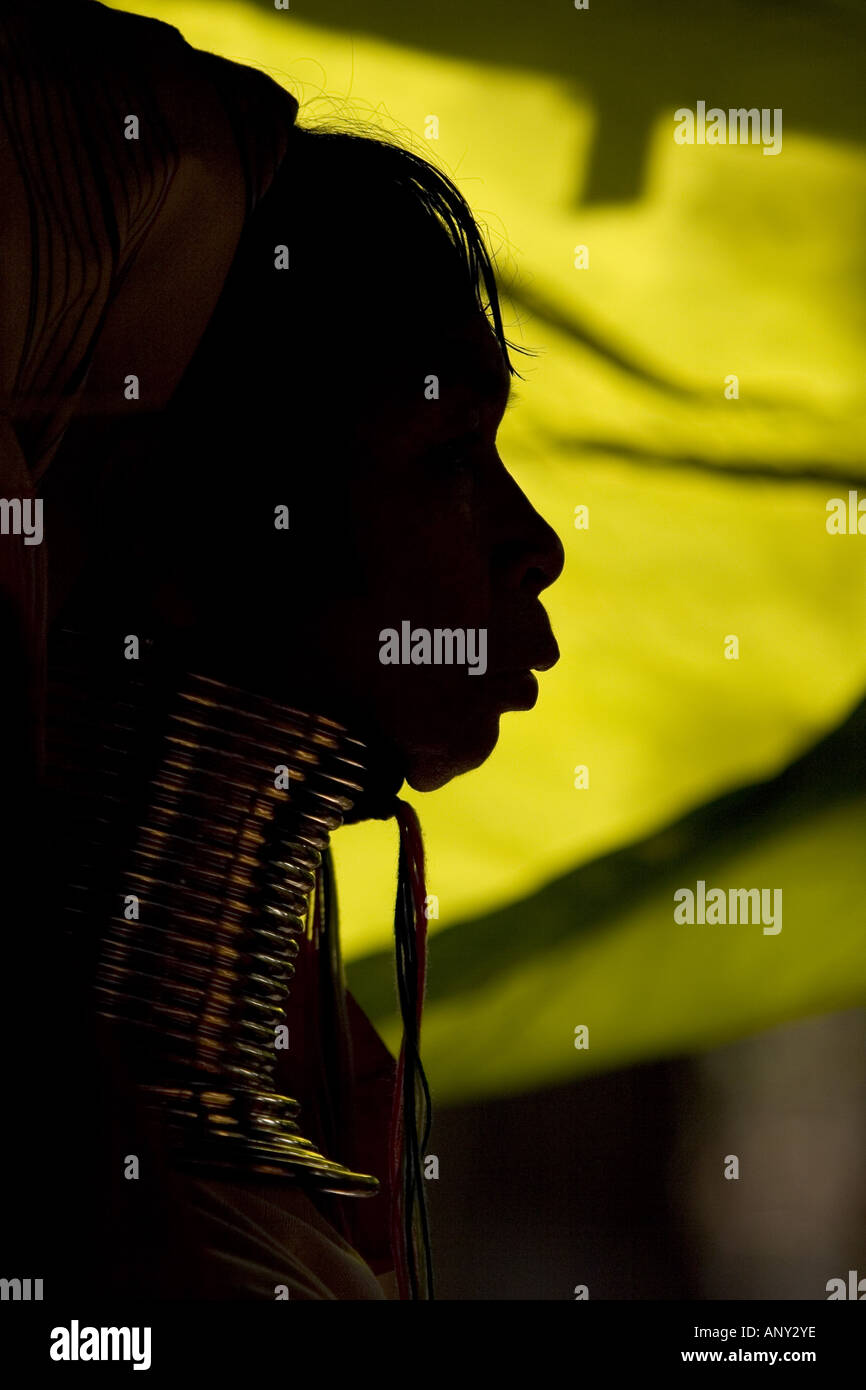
644	277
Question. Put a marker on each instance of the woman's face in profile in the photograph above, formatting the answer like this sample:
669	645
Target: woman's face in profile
404	521
443	539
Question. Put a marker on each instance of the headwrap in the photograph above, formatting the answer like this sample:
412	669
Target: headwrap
129	165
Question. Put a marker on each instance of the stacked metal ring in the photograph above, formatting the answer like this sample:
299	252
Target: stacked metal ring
228	809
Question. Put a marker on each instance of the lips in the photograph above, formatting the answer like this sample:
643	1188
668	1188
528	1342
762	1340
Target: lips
547	656
516	689
533	656
516	686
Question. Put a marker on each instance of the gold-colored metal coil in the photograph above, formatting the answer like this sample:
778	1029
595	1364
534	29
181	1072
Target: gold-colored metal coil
221	860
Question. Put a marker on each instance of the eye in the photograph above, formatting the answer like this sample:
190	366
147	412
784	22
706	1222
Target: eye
455	453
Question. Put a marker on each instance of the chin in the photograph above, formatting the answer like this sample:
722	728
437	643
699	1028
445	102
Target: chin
428	768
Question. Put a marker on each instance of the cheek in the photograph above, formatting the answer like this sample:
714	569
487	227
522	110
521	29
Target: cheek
420	553
422	549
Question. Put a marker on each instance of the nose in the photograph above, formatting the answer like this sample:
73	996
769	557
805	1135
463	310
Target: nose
530	555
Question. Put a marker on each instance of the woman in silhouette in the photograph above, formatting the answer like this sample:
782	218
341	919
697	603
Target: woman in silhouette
254	373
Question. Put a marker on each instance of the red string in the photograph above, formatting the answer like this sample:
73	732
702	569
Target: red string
413	848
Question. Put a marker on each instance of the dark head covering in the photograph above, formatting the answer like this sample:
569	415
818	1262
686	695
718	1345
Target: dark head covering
114	249
113	253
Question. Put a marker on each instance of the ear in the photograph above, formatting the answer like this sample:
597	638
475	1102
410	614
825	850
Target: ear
172	606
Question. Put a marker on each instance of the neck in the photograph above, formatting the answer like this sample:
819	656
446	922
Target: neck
196	819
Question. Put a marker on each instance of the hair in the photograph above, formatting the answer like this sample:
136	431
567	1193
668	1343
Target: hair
386	260
406	189
378	238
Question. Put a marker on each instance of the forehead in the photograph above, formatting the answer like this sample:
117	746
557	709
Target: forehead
430	339
470	373
472	362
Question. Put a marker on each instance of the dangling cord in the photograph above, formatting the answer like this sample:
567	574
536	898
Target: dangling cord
409	1224
338	1061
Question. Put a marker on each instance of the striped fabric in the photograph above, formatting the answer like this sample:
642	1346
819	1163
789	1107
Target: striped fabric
129	162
